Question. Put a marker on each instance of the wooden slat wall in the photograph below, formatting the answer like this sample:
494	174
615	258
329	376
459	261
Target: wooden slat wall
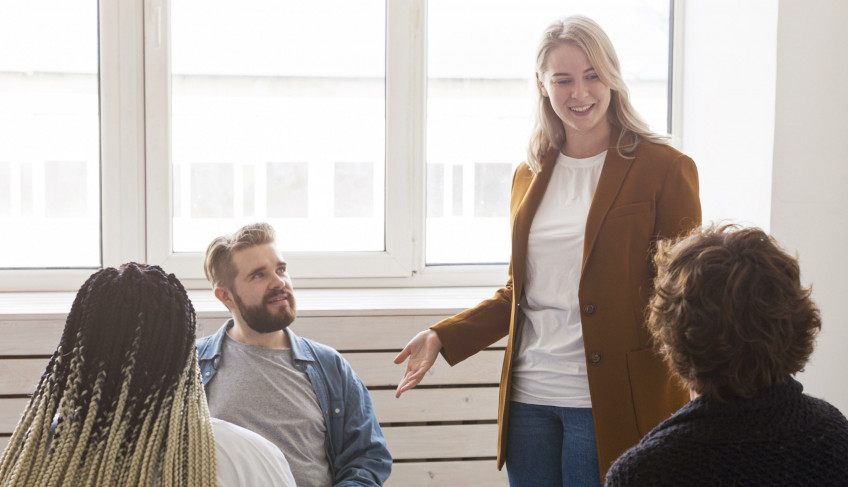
442	433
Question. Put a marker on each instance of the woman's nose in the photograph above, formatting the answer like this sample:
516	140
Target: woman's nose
579	90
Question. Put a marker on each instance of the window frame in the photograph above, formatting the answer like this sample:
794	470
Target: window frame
135	161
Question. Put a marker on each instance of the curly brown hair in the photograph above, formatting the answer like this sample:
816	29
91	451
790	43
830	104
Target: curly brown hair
729	313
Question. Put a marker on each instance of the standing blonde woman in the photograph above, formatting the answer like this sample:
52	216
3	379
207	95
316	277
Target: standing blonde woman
121	402
580	382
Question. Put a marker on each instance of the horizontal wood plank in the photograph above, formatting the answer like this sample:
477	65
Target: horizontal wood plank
451	404
378	369
442	441
10	413
30	337
417	405
475	473
471	473
20	376
41	336
367	332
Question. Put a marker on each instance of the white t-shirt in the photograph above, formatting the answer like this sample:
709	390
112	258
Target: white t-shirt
246	459
550	367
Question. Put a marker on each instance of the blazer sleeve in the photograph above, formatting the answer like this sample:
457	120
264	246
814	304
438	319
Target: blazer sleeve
476	328
679	204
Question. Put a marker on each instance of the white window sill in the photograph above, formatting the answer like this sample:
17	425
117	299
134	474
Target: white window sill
310	302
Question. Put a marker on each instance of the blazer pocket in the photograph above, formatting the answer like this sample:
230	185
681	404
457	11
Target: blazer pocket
655	393
630	209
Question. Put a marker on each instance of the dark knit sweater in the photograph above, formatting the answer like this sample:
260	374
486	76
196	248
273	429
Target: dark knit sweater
778	437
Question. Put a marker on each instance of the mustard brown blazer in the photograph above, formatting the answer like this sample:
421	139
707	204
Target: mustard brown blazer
651	196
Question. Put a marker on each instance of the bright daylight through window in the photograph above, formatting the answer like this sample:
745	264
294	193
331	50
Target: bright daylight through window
480	61
279	116
49	134
362	130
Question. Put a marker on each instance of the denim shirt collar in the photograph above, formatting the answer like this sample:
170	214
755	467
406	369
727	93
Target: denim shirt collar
300	352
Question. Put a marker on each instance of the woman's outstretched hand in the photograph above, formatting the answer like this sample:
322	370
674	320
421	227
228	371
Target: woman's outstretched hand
421	351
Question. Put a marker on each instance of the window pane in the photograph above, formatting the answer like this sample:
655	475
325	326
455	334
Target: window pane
286	190
49	134
289	97
479	99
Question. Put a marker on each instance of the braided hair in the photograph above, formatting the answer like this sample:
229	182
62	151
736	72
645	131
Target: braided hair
121	401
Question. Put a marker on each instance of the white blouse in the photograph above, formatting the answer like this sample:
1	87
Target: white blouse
550	367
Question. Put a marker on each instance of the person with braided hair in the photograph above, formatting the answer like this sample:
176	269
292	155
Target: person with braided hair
121	402
734	323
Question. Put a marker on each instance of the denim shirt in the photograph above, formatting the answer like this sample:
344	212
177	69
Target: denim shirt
354	444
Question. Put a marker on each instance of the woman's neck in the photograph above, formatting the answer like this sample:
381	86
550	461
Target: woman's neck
581	145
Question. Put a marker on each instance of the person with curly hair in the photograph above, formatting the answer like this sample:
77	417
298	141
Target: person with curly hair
121	402
735	324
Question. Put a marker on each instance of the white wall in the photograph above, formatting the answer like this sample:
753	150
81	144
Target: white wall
810	197
727	104
765	117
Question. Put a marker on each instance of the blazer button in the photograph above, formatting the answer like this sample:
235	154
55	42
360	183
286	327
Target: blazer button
595	358
589	309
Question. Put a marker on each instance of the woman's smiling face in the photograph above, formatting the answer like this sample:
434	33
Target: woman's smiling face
577	94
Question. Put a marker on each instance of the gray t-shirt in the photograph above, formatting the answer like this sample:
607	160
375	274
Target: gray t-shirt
260	389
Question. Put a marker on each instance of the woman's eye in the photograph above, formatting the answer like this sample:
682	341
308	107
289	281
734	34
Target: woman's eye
562	81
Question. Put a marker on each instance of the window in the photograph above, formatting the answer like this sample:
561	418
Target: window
49	135
379	137
480	60
278	114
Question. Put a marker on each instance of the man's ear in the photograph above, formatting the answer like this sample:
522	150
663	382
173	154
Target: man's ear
225	296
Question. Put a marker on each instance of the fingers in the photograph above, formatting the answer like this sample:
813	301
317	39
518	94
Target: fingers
421	352
410	380
403	355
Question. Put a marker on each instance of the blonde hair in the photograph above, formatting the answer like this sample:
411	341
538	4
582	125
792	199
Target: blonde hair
121	401
218	263
548	133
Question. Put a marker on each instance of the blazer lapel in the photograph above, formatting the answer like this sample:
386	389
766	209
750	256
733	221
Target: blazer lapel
524	218
612	176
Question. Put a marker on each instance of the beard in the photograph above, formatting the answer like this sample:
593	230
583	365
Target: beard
260	319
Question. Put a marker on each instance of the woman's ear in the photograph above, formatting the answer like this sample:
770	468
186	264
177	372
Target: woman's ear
541	86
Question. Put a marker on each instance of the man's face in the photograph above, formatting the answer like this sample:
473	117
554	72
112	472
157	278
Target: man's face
262	290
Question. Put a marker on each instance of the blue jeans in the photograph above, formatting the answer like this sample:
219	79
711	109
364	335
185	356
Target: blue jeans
549	446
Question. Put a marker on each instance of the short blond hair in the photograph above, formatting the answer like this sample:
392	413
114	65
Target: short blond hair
218	263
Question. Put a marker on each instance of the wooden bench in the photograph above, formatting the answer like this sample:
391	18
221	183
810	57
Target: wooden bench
443	433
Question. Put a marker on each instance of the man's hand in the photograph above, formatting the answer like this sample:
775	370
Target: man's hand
421	351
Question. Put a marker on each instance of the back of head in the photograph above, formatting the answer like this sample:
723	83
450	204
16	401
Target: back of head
586	34
729	312
218	264
135	316
121	400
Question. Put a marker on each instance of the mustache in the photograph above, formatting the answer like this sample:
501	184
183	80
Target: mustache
277	292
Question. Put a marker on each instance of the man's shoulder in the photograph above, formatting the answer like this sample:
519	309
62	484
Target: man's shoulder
210	344
321	351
